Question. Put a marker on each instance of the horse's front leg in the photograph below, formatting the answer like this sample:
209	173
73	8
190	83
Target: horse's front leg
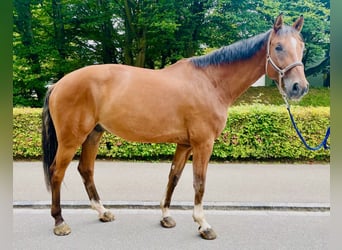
181	156
201	156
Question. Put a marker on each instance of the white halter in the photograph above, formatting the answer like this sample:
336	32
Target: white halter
281	72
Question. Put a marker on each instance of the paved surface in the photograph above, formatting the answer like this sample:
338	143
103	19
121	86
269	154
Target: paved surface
263	206
121	184
140	229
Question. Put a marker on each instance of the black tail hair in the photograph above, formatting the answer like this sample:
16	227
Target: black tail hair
49	140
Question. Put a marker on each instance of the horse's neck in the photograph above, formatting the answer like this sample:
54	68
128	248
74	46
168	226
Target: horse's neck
234	79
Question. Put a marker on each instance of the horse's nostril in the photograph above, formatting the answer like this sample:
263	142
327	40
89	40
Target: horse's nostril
295	87
306	89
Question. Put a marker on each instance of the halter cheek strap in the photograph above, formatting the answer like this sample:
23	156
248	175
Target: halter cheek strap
281	72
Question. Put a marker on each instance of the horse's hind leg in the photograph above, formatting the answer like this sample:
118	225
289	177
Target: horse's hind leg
181	156
86	169
63	157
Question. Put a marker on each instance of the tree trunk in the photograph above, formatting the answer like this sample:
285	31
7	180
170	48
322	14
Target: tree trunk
141	56
24	24
60	40
108	49
319	67
326	80
129	31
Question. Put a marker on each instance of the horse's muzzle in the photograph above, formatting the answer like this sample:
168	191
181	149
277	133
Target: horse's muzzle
297	91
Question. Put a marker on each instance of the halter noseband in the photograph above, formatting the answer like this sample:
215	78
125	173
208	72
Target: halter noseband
281	72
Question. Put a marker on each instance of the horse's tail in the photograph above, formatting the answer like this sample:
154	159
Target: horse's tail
49	139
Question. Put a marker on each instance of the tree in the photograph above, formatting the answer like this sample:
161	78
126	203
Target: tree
248	18
26	54
59	35
316	30
54	37
149	26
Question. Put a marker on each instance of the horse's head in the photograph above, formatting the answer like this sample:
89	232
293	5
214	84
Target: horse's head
284	58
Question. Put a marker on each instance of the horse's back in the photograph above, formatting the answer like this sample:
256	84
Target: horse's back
135	103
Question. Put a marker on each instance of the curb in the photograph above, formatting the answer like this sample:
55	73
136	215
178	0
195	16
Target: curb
184	205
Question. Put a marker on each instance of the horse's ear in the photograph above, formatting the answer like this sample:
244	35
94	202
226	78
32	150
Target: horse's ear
298	24
278	22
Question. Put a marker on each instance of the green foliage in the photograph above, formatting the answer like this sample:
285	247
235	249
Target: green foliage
315	32
317	97
265	132
253	132
112	146
53	38
27	133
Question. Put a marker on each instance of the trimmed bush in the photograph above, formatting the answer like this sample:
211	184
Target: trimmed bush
27	133
253	132
265	132
317	97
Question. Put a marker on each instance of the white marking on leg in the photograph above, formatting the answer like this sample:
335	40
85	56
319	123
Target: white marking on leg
165	210
97	205
198	216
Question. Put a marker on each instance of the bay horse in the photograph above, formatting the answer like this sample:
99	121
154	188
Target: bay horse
185	103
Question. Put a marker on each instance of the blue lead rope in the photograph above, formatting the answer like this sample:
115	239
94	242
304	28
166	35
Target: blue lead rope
322	144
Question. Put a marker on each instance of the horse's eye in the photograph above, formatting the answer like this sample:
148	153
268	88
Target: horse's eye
279	48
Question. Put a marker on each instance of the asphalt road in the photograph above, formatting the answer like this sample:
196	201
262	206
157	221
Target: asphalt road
140	229
250	206
142	181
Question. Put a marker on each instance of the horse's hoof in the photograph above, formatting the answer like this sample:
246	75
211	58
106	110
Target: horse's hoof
208	234
107	217
62	229
168	222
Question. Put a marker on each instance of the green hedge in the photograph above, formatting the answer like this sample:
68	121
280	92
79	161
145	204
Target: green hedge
253	132
317	97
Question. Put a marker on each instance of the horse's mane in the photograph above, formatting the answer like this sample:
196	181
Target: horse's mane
237	51
240	50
